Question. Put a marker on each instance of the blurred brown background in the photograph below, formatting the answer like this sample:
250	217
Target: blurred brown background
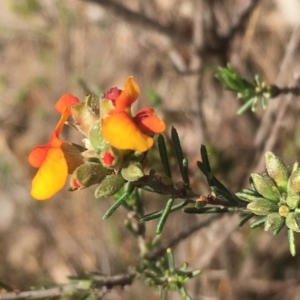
173	48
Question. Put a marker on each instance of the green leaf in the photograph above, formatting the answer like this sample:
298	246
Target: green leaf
164	155
246	218
129	189
157	214
292	244
258	223
164	216
179	156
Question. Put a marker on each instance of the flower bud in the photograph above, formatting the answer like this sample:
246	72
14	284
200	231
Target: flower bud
133	172
110	185
277	170
95	136
274	222
112	94
284	210
106	106
87	175
93	104
266	187
83	117
294	183
292	201
247	197
292	221
262	207
111	157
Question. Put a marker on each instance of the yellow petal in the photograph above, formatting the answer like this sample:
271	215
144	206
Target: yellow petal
51	176
122	133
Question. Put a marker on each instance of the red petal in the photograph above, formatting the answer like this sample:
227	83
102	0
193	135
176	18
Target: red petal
148	122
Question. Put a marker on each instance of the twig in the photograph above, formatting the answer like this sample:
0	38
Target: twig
261	287
101	281
267	134
98	281
222	42
141	20
37	294
161	249
240	23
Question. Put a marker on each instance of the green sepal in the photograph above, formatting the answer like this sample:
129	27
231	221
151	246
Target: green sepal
248	197
266	187
262	207
292	201
133	172
86	175
95	136
106	105
110	185
83	117
292	221
293	186
274	222
277	170
93	104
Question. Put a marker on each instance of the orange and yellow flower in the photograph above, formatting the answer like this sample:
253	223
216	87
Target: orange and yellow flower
122	130
52	159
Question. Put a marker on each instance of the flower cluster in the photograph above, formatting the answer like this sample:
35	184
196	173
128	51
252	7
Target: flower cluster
275	195
114	148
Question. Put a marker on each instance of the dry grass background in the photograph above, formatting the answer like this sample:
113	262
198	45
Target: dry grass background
48	46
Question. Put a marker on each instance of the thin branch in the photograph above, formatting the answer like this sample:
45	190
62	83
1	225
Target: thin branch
141	20
97	282
222	42
37	294
161	249
241	21
267	133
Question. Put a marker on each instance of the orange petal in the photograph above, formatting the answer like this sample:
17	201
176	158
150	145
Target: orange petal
128	95
51	176
148	122
66	100
122	133
61	123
